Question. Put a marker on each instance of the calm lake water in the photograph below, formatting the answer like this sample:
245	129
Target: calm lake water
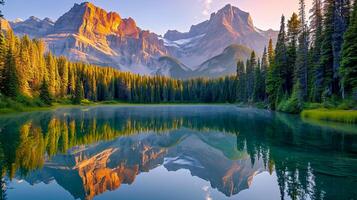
175	153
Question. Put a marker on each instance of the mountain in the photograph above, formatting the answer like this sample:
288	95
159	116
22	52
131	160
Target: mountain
33	27
172	67
224	63
90	34
228	26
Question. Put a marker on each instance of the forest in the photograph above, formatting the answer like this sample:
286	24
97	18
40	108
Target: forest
314	62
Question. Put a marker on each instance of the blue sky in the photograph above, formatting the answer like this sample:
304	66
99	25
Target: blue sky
158	15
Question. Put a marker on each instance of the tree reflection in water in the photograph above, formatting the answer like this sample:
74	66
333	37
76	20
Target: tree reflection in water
89	151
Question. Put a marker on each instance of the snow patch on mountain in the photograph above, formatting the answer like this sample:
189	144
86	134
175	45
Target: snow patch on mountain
187	42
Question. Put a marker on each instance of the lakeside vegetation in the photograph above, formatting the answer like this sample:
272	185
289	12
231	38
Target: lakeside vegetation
345	116
308	66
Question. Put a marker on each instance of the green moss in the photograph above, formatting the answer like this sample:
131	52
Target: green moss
344	116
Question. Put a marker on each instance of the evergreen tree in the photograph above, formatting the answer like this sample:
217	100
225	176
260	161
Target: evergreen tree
251	65
335	24
302	56
45	95
348	68
274	79
264	70
2	2
340	21
63	73
259	85
10	80
271	53
325	71
241	87
78	93
292	39
316	71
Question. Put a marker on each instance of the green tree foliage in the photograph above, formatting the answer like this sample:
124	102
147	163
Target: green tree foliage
251	66
292	43
10	84
325	71
2	2
275	80
45	95
315	75
302	56
259	84
78	92
241	78
348	68
271	52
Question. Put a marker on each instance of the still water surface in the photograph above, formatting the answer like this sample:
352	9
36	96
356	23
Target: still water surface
176	153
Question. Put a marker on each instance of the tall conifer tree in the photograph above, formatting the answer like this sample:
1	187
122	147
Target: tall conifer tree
301	75
348	68
10	79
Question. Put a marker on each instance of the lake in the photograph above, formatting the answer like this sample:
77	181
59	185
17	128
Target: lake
205	152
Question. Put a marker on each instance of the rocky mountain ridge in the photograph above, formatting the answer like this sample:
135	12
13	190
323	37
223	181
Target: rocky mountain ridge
90	34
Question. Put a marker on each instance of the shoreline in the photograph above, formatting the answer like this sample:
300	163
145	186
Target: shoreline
322	115
9	111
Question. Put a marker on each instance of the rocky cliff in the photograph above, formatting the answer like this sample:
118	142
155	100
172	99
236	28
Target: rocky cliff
90	34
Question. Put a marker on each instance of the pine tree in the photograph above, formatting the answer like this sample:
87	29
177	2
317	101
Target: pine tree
251	65
340	21
274	78
316	72
10	80
2	2
78	92
271	53
241	87
325	70
335	24
302	56
264	71
292	41
45	95
63	73
348	68
259	85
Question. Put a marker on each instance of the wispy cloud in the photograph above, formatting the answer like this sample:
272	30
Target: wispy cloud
206	7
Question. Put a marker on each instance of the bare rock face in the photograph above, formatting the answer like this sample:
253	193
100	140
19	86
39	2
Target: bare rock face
223	64
228	26
88	33
33	27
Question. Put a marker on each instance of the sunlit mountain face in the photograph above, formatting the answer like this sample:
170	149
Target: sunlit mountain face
93	35
182	152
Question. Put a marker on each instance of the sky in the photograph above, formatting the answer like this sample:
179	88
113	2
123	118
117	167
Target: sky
159	15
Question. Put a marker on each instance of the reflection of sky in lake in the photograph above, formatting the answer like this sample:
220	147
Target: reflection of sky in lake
175	152
159	182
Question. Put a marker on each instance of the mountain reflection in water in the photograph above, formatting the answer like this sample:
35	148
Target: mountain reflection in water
91	151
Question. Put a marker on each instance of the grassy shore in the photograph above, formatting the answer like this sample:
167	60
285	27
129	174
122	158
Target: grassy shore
344	116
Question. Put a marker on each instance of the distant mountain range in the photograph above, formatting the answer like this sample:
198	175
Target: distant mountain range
90	34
